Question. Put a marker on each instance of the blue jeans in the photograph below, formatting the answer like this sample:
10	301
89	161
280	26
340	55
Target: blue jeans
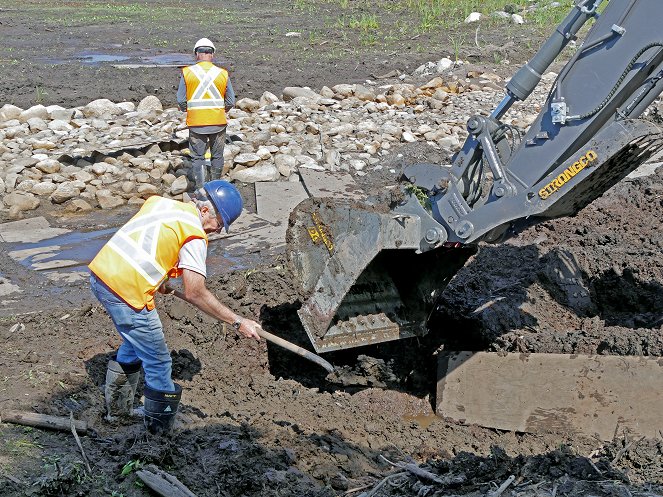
142	337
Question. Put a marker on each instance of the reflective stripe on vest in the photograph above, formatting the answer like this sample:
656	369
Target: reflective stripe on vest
144	252
205	94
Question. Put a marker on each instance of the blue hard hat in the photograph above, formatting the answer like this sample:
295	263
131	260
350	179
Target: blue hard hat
226	199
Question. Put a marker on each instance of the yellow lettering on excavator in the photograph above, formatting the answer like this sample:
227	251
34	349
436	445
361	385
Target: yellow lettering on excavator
585	161
320	233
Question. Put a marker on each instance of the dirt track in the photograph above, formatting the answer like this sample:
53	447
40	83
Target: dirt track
259	421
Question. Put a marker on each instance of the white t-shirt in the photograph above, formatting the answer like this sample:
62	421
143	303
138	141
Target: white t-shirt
193	255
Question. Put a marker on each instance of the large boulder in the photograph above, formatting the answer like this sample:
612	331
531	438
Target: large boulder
101	107
21	201
64	192
292	92
263	172
148	104
9	111
34	111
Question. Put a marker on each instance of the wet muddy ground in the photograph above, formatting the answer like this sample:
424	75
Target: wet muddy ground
257	420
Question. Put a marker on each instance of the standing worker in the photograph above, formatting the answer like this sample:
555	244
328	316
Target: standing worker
205	93
165	239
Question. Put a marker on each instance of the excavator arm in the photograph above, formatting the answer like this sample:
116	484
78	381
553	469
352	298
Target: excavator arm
377	273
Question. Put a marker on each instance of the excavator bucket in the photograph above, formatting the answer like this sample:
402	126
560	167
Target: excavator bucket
361	274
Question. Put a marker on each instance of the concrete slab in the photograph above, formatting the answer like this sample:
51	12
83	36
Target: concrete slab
250	233
29	230
593	395
276	200
329	184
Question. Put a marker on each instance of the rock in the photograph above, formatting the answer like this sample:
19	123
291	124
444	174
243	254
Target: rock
364	94
55	112
180	185
64	192
247	160
83	176
517	19
444	64
148	104
264	153
127	106
408	137
396	100
9	111
78	205
44	188
34	111
285	164
107	200
147	190
440	95
60	125
343	90
3	187
424	69
99	168
168	179
262	172
292	92
268	98
449	142
101	108
248	104
48	166
22	201
473	17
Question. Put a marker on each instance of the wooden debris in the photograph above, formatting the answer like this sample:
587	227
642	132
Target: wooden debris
416	470
625	449
42	421
503	487
12	478
163	483
78	442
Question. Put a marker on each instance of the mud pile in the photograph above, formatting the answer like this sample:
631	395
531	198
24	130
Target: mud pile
591	284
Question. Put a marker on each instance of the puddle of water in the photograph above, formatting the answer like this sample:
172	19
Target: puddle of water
76	249
94	59
91	59
423	420
169	58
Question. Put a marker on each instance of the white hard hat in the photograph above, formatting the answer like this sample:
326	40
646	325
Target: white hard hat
204	42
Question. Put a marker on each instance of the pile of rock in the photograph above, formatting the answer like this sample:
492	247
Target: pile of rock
99	155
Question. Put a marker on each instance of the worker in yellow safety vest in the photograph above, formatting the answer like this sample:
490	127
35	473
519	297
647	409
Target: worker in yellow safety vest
205	93
165	239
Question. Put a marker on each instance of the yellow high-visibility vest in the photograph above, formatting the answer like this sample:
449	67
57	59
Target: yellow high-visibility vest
205	94
144	252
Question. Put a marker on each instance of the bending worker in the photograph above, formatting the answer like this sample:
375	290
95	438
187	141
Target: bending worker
165	239
205	93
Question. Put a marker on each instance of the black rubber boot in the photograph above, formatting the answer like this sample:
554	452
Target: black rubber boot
215	172
160	409
199	174
121	383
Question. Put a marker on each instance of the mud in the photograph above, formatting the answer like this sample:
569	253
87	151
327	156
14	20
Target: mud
257	420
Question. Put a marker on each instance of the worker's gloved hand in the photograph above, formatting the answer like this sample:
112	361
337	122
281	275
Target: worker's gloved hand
249	329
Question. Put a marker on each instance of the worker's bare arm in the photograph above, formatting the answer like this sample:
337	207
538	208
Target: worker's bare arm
197	294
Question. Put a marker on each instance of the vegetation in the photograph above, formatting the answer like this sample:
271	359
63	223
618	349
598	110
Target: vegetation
378	16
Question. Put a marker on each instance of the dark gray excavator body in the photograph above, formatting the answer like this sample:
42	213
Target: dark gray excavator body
371	273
